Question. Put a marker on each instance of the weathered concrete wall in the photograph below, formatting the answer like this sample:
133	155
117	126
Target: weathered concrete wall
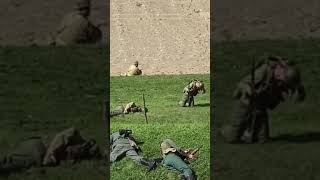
261	19
24	22
165	36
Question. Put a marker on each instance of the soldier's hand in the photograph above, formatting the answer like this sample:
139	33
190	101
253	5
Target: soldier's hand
190	156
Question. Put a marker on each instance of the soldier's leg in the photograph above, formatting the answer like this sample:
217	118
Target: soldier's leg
191	101
174	162
116	153
262	127
239	123
12	163
118	111
184	100
132	154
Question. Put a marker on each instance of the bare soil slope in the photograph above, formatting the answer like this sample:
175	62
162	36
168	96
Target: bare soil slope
166	37
272	19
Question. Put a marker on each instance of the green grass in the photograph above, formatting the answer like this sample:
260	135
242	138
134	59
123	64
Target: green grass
295	128
45	90
189	127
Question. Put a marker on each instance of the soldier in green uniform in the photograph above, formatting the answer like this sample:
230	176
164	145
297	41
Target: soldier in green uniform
131	107
124	144
274	81
191	90
66	145
76	28
174	159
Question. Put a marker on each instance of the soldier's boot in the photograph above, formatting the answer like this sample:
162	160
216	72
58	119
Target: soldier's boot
151	164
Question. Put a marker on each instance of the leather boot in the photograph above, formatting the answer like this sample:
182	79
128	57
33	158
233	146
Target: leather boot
151	164
191	177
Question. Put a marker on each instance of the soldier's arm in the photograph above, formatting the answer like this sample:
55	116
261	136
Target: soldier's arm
244	88
300	93
94	33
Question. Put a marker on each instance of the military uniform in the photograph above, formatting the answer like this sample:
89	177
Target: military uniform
27	154
134	69
123	144
191	90
75	28
254	102
173	159
66	145
131	107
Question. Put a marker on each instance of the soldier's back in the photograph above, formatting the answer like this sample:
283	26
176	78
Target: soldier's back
133	71
73	29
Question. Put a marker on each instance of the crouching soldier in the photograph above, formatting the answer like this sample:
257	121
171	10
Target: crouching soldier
134	69
191	90
33	152
174	159
131	107
270	83
124	144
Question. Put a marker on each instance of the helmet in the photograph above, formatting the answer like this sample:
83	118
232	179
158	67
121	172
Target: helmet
82	4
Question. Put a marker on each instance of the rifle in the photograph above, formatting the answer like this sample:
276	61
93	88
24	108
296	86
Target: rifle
194	152
252	103
145	110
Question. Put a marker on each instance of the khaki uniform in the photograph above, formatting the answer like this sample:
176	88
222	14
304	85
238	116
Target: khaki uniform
133	71
56	150
269	94
76	29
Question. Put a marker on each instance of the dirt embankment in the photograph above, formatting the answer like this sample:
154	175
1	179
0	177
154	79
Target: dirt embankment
166	37
33	21
272	19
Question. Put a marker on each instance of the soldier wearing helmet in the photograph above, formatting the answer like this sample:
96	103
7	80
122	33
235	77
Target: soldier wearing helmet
76	28
275	80
191	90
131	107
134	69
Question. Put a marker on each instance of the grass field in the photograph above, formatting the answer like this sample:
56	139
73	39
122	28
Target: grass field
295	128
44	90
189	127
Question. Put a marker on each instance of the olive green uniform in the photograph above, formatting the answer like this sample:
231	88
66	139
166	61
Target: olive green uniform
66	145
131	107
29	153
269	94
174	160
189	92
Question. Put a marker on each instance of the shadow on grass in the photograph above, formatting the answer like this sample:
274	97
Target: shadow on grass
202	105
301	138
